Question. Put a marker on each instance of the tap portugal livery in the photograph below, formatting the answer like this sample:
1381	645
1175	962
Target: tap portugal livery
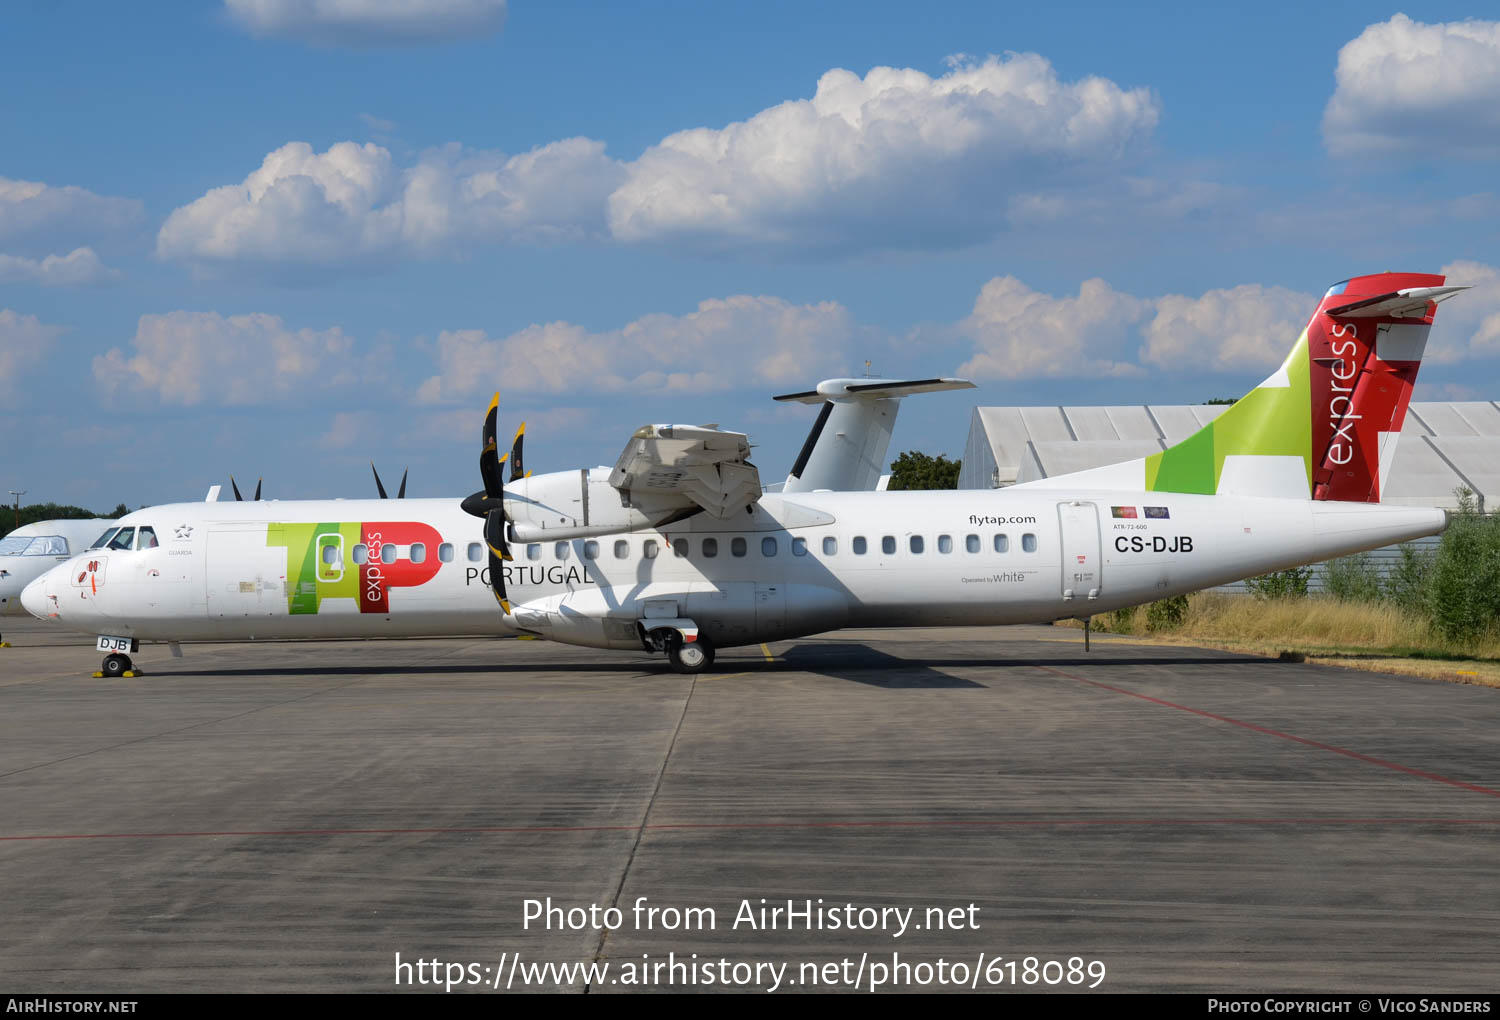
677	549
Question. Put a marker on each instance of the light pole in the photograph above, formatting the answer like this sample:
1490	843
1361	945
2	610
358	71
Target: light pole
18	496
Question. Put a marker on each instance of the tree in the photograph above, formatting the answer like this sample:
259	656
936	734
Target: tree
914	470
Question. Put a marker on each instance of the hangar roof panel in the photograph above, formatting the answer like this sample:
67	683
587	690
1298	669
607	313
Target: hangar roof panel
1133	422
1046	424
1441	419
1091	423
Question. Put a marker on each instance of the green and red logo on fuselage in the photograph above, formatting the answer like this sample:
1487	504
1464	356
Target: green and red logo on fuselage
354	560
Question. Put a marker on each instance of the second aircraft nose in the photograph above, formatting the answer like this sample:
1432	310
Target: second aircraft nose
34	598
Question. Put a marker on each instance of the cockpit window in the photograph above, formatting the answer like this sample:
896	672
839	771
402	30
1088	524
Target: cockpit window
104	538
146	539
48	545
124	539
15	545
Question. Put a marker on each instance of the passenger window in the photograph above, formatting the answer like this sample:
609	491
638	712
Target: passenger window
419	552
1002	543
534	551
1028	542
476	552
330	554
768	546
591	550
124	540
971	543
560	550
888	544
710	548
104	539
361	553
445	552
945	543
830	546
680	548
917	544
388	552
859	545
650	549
622	549
737	547
799	547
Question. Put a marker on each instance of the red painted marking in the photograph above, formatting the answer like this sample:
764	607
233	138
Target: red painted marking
1419	773
978	823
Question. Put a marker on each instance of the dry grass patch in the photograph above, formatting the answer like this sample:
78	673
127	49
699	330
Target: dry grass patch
1361	635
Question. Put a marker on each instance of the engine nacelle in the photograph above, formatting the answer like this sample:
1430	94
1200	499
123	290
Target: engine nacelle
562	505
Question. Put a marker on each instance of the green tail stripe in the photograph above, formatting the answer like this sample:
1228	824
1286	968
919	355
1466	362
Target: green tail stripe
1268	421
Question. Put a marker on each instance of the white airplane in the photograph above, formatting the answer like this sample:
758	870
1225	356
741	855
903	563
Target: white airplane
678	550
32	549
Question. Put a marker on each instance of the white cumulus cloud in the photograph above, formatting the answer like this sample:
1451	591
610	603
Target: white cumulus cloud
24	341
33	213
1249	326
1022	333
894	158
724	344
190	358
353	203
370	22
79	267
1468	324
1406	86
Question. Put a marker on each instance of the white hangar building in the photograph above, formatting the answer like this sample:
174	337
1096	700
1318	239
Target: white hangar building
1443	446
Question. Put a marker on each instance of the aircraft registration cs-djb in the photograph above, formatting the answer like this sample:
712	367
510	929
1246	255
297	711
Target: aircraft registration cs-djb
677	549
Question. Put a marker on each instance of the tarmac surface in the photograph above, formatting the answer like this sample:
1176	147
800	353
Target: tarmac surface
290	816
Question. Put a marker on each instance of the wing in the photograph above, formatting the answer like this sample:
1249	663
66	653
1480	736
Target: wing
697	463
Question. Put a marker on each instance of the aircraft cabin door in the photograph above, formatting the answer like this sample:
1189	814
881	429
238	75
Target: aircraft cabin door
1082	561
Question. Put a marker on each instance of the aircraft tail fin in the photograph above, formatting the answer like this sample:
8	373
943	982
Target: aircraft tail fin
845	450
1324	425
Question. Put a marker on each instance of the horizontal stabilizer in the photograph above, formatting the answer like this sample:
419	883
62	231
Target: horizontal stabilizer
1402	304
872	389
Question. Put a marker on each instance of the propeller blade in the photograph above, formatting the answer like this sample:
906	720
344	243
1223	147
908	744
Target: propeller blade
378	487
257	490
237	497
516	470
494	534
497	581
401	492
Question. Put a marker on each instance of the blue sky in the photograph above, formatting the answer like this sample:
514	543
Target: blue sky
284	237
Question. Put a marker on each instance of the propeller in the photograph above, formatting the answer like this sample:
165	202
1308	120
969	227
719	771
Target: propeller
236	489
400	493
517	471
489	504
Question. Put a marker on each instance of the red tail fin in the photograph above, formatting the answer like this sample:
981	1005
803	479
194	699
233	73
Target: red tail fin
1365	344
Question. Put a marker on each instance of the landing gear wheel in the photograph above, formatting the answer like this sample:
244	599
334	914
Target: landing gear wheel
117	665
690	656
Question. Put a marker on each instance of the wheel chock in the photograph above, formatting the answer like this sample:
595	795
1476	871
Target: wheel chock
133	673
4	644
97	675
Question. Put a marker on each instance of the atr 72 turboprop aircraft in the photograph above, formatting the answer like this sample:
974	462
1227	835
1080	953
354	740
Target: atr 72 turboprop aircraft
677	549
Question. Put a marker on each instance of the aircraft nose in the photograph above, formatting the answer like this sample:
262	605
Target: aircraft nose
34	597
